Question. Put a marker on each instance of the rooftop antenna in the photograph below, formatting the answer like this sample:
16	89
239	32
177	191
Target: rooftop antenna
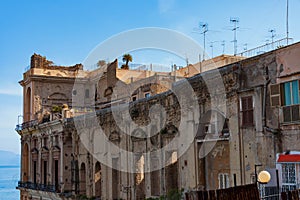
223	45
212	48
287	22
187	60
235	22
204	27
272	31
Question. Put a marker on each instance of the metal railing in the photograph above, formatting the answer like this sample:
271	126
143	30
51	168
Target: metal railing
28	124
267	47
37	186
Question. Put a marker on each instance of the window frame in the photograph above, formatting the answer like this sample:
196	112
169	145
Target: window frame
293	87
223	180
287	184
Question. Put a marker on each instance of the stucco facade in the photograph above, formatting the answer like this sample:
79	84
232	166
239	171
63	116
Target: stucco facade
251	126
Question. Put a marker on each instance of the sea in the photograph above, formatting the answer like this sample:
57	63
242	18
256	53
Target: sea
9	177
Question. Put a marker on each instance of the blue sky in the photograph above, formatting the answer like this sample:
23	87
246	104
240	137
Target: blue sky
66	31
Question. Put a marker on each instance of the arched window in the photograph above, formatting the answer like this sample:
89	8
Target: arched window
25	163
27	105
98	180
82	179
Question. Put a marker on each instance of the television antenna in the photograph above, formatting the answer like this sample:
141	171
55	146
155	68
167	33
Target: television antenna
212	47
223	45
287	22
202	29
272	31
234	21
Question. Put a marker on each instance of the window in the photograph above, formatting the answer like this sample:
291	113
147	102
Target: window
34	172
253	178
288	176
35	143
147	95
285	94
96	93
291	93
247	111
275	91
56	142
45	142
134	98
56	174
223	180
45	172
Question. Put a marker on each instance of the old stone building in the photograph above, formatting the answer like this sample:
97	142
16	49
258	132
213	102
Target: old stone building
80	139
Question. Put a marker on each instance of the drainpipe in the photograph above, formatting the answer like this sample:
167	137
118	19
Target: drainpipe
264	102
240	144
196	162
240	134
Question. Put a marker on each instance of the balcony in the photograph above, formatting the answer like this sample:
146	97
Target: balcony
28	124
37	186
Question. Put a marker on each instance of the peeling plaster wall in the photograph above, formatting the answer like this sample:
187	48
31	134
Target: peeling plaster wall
237	154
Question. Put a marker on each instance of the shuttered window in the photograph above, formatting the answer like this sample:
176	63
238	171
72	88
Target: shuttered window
247	111
275	95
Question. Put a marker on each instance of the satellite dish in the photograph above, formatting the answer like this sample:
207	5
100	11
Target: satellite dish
264	177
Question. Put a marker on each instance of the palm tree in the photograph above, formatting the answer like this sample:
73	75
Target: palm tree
126	58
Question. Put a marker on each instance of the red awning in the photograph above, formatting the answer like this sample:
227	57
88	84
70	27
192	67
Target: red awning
289	158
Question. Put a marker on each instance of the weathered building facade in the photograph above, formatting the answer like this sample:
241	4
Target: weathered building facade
66	157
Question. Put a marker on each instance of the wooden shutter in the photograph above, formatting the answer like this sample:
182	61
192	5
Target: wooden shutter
247	111
275	95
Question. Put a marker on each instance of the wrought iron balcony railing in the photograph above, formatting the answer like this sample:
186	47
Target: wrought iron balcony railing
37	186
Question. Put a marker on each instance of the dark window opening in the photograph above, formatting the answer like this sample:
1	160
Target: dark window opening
45	142
96	93
56	174
35	143
45	173
34	172
134	98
